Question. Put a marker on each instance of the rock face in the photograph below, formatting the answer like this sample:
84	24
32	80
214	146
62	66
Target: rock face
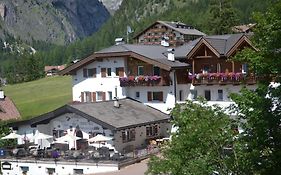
111	5
55	21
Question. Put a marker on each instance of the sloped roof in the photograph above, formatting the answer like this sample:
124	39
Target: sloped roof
152	54
8	109
185	29
131	113
221	43
177	26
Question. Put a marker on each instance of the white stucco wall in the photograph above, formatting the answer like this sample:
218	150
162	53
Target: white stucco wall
61	168
105	84
164	131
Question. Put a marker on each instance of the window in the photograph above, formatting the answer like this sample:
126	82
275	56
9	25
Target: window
58	133
137	94
218	68
140	70
88	97
193	94
208	95
220	95
109	95
156	70
155	96
50	170
128	135
99	96
24	169
152	131
103	72
109	72
119	71
206	69
89	72
78	171
244	68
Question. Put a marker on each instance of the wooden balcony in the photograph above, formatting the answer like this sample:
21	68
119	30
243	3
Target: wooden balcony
222	79
131	81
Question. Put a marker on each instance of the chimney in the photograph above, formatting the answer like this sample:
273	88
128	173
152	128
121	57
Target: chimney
116	103
171	55
2	96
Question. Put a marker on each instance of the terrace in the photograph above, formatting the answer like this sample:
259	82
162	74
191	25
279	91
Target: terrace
222	78
144	81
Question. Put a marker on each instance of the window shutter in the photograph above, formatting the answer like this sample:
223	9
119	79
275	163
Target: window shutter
94	97
94	72
149	95
82	96
103	72
103	96
160	96
121	71
85	73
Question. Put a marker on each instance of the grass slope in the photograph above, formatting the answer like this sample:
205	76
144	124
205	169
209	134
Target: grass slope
40	96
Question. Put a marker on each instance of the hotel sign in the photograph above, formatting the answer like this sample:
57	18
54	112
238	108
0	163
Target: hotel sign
6	166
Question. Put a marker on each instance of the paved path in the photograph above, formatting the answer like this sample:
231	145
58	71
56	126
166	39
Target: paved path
135	169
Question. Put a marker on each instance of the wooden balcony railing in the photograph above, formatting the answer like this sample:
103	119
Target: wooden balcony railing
222	78
144	81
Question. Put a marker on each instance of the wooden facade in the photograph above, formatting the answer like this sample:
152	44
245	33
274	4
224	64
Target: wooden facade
155	33
210	67
147	76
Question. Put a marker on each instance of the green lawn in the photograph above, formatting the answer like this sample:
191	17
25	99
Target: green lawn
40	96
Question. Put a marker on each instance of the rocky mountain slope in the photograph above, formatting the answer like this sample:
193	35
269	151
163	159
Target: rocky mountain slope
111	5
55	21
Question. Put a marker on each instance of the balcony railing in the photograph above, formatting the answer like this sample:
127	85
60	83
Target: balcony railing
222	78
143	81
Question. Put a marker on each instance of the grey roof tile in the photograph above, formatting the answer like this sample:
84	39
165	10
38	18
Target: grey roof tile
129	113
154	52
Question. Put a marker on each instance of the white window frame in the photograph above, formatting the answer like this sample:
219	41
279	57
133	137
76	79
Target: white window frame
99	95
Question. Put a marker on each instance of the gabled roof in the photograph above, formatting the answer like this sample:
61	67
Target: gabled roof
131	113
177	26
8	109
152	54
222	45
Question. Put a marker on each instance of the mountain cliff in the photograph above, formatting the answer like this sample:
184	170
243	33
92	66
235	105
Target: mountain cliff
54	21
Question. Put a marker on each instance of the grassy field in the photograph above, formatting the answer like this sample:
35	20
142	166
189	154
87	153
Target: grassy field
40	96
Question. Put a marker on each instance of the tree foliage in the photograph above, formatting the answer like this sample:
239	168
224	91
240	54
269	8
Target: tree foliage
261	109
223	16
201	144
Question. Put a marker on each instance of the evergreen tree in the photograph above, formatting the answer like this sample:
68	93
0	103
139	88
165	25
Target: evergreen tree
223	16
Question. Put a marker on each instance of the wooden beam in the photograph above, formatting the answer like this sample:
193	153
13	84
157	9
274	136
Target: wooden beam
203	56
193	63
233	66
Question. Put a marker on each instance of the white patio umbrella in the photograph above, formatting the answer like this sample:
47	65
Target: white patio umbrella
68	138
41	136
99	138
12	136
